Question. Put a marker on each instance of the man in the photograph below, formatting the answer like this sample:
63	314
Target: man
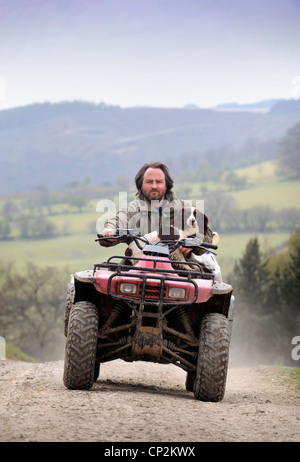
154	208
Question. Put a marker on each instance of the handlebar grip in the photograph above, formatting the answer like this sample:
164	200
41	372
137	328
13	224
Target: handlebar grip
104	238
207	245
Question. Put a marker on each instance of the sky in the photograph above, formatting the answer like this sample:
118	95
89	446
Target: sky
156	53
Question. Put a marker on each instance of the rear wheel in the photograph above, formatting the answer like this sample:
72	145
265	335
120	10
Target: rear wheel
81	346
212	363
96	370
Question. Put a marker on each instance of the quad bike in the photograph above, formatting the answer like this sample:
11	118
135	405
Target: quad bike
143	309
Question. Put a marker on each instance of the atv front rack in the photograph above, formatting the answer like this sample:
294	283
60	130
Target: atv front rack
152	287
122	266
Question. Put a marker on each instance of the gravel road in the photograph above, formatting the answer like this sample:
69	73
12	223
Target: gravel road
145	402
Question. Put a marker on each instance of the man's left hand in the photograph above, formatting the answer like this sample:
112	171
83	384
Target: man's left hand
185	250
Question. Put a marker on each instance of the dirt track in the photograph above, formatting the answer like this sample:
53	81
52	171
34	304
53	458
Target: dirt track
147	402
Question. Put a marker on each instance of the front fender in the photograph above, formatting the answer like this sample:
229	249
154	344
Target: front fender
85	276
221	288
84	287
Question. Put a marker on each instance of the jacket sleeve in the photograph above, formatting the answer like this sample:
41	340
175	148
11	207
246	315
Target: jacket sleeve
121	220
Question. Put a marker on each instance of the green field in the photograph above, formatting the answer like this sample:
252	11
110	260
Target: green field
80	251
232	246
75	249
276	194
265	188
259	173
75	253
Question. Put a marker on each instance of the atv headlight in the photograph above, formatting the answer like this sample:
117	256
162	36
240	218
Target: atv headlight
128	288
176	292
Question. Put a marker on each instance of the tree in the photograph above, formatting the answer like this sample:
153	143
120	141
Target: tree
36	227
10	210
32	309
258	218
267	303
5	230
248	280
289	156
250	274
236	182
288	218
218	206
283	301
79	202
291	278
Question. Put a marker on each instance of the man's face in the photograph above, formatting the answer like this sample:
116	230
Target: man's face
154	184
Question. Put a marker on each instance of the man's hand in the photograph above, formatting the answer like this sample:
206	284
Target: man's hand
185	250
107	232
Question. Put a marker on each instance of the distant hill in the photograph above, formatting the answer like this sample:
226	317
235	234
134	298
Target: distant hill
53	144
274	106
266	104
286	107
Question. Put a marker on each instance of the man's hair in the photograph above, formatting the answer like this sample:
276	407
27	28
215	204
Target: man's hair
140	175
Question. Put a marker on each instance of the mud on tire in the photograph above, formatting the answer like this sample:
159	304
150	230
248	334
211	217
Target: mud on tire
69	304
81	346
212	363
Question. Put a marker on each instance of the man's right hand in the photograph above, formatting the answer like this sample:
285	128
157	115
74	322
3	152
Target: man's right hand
107	232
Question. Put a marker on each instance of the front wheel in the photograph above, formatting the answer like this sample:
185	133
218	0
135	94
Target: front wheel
189	381
213	355
81	346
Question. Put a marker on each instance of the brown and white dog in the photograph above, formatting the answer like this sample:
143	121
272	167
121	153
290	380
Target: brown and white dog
188	222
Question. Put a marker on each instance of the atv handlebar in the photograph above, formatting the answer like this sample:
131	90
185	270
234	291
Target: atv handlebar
128	235
124	235
195	242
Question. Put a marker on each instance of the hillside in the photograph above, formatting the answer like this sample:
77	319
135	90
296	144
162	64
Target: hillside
47	229
53	144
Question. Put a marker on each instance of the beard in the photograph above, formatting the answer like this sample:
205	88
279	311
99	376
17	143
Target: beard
154	195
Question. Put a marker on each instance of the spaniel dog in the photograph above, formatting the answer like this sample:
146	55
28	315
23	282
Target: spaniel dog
188	222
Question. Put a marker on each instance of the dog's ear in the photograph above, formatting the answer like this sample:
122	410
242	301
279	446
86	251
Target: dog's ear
202	220
205	224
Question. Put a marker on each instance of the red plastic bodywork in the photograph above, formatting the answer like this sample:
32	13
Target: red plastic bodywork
153	283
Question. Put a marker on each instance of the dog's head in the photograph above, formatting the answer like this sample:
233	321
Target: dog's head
191	220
